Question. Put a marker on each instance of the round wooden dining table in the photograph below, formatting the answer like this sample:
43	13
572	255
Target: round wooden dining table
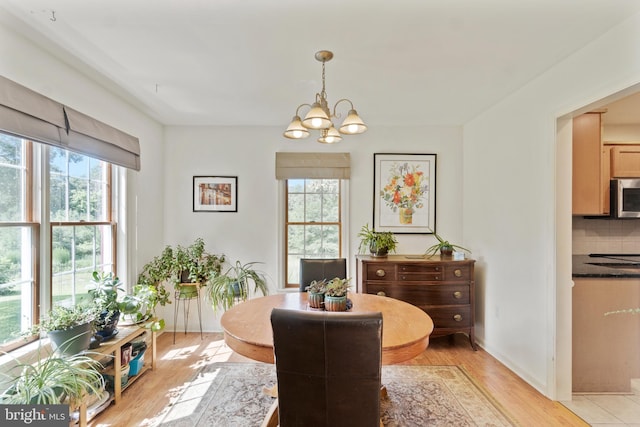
405	327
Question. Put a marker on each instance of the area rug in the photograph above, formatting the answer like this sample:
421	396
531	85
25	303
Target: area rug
230	395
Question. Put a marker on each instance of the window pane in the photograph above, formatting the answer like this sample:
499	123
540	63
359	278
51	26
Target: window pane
77	252
12	174
16	282
330	208
296	208
78	187
313	208
295	237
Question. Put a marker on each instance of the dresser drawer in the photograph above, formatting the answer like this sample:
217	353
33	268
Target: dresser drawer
451	317
423	295
381	271
418	272
457	272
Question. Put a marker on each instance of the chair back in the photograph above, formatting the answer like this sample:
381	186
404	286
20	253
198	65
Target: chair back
318	269
328	368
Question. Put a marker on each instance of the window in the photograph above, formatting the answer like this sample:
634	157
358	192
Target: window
70	221
18	235
313	225
80	215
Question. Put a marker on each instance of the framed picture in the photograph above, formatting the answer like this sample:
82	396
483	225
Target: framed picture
404	193
215	194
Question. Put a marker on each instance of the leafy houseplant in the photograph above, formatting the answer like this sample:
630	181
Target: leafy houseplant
190	264
103	290
234	284
53	378
316	290
378	243
443	246
139	306
68	328
335	296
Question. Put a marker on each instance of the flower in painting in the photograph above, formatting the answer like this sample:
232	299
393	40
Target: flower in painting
405	187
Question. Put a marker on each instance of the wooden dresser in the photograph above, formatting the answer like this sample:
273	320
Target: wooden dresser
442	287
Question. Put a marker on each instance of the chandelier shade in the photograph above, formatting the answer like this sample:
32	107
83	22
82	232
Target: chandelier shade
330	136
296	130
320	117
316	118
353	124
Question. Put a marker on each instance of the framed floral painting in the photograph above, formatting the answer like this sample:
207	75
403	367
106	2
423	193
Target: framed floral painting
404	193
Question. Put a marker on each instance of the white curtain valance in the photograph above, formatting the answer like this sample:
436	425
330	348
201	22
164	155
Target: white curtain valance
28	114
313	165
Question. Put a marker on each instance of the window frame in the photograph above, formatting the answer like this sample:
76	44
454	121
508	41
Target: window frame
36	194
342	225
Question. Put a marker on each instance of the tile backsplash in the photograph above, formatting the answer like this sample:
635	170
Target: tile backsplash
605	236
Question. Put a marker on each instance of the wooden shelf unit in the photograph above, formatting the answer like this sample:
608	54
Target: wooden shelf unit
112	349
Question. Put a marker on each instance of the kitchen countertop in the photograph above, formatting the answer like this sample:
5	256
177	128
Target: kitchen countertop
582	268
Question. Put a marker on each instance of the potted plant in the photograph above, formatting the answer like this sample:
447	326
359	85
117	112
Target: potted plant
140	305
335	295
191	264
234	284
378	243
53	378
69	328
443	246
103	290
315	293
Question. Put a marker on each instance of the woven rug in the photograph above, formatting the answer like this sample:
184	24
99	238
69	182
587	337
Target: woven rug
230	394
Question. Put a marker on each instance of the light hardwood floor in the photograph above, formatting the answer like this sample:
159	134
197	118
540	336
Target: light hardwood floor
143	402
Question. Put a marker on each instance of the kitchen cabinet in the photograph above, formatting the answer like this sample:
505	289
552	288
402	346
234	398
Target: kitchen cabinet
625	161
590	168
442	287
606	349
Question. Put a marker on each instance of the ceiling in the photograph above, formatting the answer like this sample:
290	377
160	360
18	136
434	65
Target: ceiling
251	62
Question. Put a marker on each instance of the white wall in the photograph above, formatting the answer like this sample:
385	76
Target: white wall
33	67
252	233
510	206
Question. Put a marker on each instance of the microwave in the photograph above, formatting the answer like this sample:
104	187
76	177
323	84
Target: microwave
625	198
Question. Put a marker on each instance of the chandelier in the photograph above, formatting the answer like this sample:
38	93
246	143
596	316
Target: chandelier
319	116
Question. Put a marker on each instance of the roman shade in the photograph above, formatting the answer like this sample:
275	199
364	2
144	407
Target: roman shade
28	114
313	165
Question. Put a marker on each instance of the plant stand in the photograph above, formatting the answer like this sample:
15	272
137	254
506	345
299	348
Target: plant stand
185	293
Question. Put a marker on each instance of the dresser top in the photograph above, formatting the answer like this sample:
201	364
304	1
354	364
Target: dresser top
408	258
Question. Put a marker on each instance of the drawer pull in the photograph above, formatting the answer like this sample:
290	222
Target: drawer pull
457	317
457	294
380	273
457	272
381	294
403	277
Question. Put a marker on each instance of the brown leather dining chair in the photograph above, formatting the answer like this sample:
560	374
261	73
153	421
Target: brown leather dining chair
328	368
318	269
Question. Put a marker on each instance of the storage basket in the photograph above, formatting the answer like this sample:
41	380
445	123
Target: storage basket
135	365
